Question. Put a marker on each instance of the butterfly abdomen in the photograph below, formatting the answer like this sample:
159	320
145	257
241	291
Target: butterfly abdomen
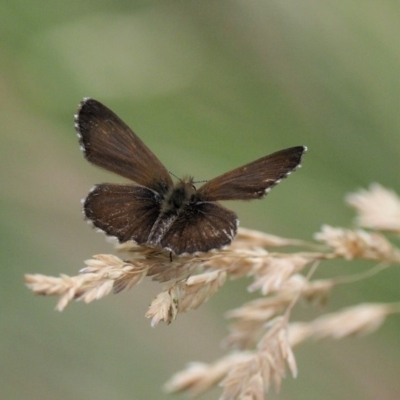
161	227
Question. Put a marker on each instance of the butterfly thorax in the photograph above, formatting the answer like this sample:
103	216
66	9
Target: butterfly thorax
174	202
179	196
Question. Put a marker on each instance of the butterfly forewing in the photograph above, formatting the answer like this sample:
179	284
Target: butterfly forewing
253	180
125	211
109	143
201	227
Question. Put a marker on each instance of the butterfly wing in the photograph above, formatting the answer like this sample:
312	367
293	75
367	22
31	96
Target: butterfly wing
125	211
254	180
202	226
109	143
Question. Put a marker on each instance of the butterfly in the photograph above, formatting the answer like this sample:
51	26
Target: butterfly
155	212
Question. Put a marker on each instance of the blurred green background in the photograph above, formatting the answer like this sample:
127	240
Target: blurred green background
208	86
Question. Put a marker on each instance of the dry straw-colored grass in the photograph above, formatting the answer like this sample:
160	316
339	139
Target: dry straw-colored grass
261	337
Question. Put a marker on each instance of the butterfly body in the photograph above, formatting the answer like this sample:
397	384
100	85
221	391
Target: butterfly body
177	201
153	211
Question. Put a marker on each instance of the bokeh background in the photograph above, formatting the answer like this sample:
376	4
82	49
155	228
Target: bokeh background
208	86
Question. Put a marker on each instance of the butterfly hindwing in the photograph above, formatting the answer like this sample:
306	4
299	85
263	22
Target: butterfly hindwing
202	226
125	211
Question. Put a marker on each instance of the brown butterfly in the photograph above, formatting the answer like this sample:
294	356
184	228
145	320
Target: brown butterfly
154	211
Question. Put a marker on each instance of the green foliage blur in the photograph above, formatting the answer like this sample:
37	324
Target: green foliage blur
209	86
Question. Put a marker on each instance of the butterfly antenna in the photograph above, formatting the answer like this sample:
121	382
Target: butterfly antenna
200	181
171	173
